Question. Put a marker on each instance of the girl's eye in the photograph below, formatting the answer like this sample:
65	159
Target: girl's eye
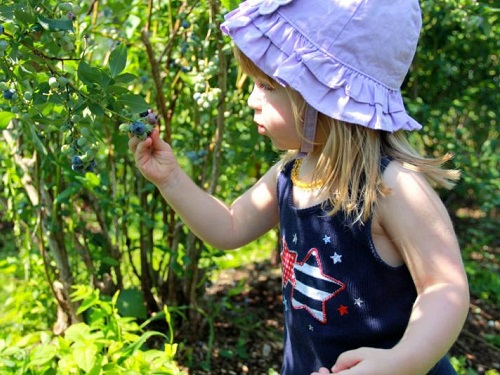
264	86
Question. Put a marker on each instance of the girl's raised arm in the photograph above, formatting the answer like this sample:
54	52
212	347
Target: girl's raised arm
226	227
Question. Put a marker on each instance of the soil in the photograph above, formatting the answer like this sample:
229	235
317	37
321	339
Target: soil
247	335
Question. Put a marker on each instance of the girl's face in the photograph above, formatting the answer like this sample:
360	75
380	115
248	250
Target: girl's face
274	116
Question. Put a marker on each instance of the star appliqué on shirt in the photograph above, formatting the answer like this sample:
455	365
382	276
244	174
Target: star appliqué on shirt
311	288
288	259
337	258
343	310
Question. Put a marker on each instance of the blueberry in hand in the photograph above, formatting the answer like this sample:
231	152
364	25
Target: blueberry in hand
138	128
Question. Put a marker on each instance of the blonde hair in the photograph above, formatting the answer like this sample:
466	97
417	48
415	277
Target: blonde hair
350	156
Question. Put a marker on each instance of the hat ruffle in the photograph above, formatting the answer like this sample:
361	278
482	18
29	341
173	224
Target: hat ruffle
327	84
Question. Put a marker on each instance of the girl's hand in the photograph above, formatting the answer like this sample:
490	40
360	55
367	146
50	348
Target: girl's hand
363	361
154	158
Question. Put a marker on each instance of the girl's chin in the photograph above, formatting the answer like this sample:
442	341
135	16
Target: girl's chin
261	130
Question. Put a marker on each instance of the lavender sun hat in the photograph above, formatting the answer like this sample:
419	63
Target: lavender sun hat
347	58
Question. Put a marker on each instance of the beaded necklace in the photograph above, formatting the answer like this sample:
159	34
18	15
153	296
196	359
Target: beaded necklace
303	185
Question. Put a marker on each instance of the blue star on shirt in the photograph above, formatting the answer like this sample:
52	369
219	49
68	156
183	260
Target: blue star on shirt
358	302
326	239
337	258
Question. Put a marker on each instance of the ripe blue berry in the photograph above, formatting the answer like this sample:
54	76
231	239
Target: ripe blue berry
185	24
77	161
77	167
1	29
8	94
138	128
91	166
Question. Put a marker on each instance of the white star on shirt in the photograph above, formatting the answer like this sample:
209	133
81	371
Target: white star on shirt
294	238
326	239
285	303
337	258
358	302
311	328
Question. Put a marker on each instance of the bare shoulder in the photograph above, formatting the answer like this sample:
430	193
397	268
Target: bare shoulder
418	224
410	193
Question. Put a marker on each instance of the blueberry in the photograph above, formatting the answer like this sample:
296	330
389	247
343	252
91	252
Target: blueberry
1	29
76	161
185	24
8	94
143	114
152	118
91	166
138	128
77	167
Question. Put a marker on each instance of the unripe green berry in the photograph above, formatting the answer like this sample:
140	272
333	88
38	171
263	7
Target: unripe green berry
81	141
63	81
53	82
124	128
67	7
65	149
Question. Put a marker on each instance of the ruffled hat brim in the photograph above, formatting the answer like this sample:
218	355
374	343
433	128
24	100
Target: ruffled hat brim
330	86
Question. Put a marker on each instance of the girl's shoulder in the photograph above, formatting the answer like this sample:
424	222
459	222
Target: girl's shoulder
410	199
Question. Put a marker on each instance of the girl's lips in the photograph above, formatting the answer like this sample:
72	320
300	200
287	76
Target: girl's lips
261	129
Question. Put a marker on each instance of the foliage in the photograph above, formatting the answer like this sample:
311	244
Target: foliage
72	73
25	297
106	344
452	90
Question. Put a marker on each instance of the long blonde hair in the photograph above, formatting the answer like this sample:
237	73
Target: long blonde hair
350	156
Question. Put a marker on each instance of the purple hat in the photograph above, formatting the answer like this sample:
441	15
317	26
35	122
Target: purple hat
347	58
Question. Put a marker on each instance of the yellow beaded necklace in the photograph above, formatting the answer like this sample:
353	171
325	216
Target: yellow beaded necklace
312	185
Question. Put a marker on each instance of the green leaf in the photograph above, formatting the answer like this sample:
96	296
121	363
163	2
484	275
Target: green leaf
66	194
118	60
79	332
7	12
5	118
135	103
55	25
88	74
85	356
42	355
24	17
129	350
125	78
131	303
230	4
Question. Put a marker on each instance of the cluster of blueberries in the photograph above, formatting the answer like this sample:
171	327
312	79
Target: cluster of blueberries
78	165
141	128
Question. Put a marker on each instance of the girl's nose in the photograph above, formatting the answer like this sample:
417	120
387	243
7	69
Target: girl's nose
254	100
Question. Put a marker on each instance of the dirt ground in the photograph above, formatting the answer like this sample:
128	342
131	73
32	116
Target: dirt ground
248	328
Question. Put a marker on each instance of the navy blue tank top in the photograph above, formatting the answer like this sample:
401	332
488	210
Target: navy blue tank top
338	294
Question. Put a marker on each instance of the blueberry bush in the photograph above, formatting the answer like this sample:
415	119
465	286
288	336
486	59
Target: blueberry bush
77	78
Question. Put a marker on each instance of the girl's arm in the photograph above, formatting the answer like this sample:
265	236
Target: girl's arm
418	224
250	216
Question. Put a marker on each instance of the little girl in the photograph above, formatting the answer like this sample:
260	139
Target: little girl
373	282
